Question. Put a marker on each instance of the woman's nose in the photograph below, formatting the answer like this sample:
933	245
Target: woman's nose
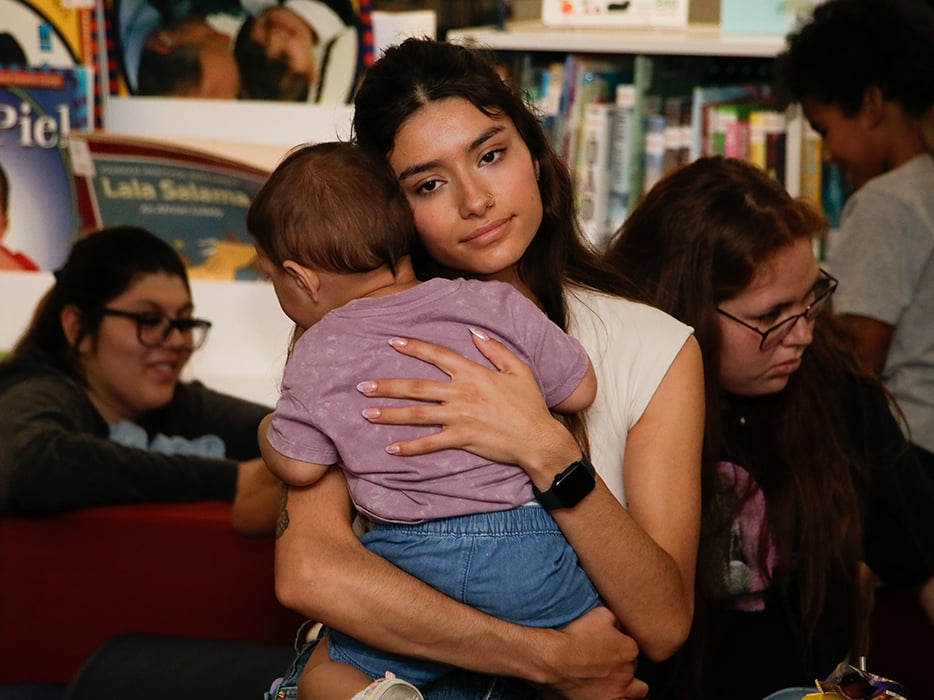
476	200
801	333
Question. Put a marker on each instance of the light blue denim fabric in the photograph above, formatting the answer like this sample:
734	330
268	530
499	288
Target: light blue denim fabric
458	685
513	564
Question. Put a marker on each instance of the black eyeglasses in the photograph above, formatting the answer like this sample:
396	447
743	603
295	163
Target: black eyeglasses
153	328
823	290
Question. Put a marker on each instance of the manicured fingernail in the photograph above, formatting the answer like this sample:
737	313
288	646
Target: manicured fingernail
392	449
478	333
366	387
370	413
398	342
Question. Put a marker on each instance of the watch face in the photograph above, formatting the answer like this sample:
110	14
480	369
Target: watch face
574	484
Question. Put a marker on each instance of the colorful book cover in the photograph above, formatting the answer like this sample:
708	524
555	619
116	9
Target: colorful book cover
307	51
194	200
605	13
51	34
48	33
41	109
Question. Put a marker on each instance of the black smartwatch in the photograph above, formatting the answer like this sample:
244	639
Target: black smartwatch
569	487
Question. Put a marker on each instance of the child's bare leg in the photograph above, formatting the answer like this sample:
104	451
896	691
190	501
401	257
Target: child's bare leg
323	679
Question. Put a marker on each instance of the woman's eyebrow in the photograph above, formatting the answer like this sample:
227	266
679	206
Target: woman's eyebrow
484	137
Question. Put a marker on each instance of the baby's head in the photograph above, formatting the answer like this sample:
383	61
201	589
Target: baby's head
333	207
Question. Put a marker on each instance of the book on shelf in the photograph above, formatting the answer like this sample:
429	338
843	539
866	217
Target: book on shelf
812	159
41	110
52	34
604	13
705	101
586	80
593	172
776	142
622	147
145	55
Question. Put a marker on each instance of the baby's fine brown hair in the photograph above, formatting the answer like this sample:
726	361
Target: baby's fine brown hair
332	206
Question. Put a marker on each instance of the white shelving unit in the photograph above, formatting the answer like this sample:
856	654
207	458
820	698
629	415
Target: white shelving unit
693	40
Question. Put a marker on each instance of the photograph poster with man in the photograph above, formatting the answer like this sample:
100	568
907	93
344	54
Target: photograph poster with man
306	51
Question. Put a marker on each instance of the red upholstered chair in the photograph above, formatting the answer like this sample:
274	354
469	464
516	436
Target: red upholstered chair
70	582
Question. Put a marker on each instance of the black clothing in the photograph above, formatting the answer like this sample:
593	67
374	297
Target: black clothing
55	454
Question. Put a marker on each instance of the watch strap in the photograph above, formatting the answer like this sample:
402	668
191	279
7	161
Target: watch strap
569	487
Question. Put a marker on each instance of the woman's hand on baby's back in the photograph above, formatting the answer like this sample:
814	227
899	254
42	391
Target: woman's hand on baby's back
496	412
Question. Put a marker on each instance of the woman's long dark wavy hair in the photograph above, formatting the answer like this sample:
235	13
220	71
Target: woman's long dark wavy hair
100	267
418	72
696	240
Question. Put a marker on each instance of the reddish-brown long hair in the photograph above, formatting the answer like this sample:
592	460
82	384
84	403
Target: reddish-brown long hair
695	241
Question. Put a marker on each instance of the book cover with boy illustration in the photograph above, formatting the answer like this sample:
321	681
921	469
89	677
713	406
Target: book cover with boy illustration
305	51
40	110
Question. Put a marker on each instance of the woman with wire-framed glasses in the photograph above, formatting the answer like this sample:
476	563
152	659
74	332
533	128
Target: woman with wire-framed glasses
92	407
809	489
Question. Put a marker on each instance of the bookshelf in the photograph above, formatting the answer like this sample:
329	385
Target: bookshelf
531	42
693	40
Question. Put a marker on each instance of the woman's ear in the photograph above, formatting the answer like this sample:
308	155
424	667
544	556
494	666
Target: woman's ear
304	277
72	321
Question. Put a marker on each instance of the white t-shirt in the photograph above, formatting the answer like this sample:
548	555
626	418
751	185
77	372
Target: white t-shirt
631	347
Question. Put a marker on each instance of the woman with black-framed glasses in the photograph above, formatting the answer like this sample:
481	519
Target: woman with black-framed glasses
93	389
809	489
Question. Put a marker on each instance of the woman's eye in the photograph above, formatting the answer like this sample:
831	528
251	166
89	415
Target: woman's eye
427	187
492	156
768	318
150	319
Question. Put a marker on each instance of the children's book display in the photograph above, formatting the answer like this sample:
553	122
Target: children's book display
308	51
196	201
40	110
62	180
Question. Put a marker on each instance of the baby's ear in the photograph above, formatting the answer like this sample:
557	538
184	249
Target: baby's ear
305	277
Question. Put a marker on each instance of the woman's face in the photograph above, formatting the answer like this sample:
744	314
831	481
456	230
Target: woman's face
124	377
472	186
284	34
781	287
